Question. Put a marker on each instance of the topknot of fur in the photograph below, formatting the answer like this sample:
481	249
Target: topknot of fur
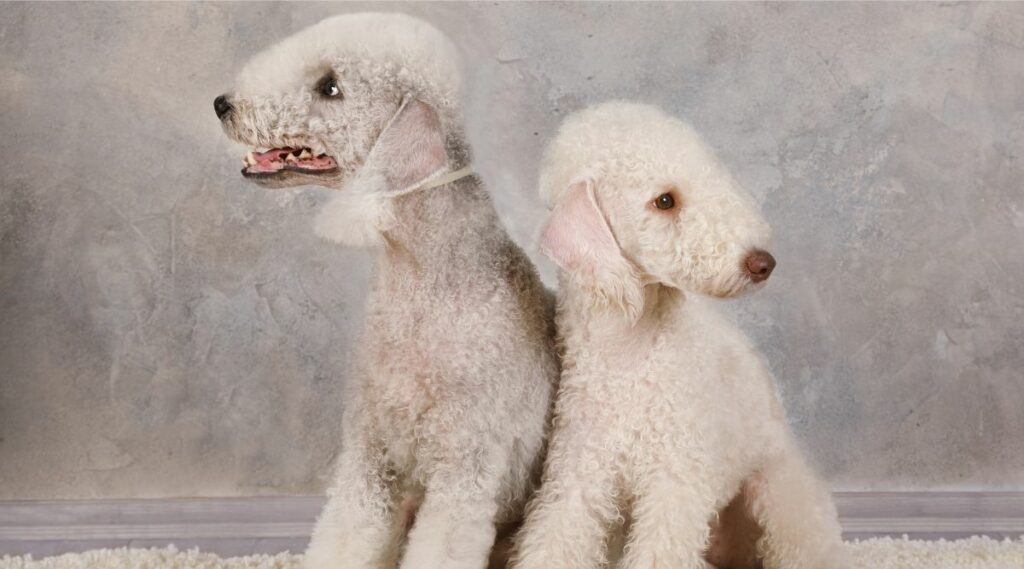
406	50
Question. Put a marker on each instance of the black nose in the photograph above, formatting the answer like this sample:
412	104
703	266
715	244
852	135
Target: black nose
758	265
221	106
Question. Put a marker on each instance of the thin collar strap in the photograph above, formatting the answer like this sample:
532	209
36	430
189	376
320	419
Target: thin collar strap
447	178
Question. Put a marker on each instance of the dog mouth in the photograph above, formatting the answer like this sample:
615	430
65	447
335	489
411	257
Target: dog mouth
735	290
277	161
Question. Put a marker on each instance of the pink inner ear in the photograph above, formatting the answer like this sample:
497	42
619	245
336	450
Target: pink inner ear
577	235
412	148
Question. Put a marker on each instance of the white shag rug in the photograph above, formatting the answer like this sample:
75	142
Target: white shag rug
879	553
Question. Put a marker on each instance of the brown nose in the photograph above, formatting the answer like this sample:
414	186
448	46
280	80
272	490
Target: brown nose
759	265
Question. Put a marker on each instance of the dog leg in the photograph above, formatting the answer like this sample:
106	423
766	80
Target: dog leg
568	522
357	528
455	527
797	514
670	526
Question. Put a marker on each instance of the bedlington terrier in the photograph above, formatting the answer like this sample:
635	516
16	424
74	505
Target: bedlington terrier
667	427
446	412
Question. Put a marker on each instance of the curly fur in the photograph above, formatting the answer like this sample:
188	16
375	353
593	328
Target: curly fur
668	428
447	408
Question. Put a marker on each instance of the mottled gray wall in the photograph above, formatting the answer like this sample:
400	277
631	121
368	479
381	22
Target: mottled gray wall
168	329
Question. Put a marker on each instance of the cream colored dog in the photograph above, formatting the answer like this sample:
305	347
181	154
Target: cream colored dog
666	414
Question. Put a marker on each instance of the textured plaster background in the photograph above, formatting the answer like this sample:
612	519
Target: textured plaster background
167	329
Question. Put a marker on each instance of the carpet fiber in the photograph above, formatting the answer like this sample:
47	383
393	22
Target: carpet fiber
881	553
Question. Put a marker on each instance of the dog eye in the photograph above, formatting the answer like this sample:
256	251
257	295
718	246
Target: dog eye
328	87
665	201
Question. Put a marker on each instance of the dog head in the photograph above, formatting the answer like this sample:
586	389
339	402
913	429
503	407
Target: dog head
638	198
359	102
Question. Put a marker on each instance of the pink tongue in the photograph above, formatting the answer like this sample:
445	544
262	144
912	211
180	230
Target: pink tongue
278	153
275	159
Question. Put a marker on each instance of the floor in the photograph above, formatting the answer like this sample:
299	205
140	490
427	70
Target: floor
878	553
266	525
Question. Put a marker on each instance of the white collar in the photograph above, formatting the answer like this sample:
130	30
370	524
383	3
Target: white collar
445	179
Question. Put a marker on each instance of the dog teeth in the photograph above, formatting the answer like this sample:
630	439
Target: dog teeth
250	160
291	158
305	154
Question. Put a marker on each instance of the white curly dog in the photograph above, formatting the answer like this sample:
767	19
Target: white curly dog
447	409
667	429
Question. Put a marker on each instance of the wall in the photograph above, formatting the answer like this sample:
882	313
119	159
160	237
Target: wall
167	329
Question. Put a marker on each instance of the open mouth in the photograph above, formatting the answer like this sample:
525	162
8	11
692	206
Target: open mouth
279	160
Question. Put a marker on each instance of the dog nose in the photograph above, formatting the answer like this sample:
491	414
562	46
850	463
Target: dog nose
759	265
221	106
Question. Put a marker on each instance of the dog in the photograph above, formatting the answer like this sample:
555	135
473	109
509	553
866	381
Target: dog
667	427
447	407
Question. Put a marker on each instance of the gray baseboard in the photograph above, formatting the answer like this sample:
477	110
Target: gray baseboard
931	515
239	526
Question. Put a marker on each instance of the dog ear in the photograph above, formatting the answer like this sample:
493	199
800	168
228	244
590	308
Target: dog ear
578	239
411	149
